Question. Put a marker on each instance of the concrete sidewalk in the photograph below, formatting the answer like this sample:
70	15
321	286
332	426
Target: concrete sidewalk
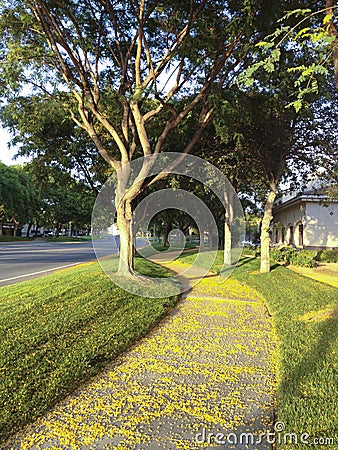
207	368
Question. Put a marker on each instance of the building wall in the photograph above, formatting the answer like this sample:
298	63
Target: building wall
289	218
321	228
308	224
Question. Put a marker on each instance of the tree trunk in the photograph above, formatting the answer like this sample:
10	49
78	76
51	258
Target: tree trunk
227	243
213	241
58	229
16	227
124	224
29	229
265	229
201	236
2	216
190	235
37	227
168	228
229	212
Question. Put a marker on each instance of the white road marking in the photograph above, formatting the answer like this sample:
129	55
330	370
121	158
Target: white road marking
42	271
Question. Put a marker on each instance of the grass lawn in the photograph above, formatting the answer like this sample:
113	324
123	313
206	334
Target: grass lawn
57	331
15	238
305	315
324	272
160	248
68	239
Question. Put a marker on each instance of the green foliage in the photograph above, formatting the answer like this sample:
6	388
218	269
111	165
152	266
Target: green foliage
290	44
328	256
19	197
304	258
290	255
258	133
104	67
59	330
44	195
45	133
281	254
251	250
63	198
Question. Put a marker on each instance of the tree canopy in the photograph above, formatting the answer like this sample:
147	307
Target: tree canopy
307	33
124	63
128	78
115	68
19	197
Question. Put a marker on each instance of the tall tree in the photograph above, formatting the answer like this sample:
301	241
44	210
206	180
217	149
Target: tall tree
19	198
331	9
276	144
64	199
290	69
271	142
44	132
145	54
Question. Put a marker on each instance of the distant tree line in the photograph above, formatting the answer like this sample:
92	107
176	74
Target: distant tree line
49	200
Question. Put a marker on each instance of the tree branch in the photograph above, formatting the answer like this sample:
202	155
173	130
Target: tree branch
332	31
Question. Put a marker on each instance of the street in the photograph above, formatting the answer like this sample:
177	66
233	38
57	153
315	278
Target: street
21	261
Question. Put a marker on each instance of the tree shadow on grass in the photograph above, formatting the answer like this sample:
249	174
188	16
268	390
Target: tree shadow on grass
245	260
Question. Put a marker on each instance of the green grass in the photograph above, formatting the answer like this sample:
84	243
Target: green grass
160	248
15	238
59	330
305	315
68	239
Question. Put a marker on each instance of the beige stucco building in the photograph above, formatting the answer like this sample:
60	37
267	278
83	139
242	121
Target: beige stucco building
306	220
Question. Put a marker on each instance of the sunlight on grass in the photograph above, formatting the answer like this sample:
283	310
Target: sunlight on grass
325	273
209	363
319	316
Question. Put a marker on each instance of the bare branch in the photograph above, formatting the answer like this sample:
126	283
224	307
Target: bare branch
139	46
140	126
205	117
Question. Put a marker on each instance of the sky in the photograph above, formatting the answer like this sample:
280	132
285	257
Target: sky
6	154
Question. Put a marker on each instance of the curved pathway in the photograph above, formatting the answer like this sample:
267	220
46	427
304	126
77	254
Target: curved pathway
203	378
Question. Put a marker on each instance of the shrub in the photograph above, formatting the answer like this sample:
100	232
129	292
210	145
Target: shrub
289	255
305	258
251	250
319	254
328	256
281	254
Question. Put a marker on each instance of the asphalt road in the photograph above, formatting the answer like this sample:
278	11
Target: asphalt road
21	261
